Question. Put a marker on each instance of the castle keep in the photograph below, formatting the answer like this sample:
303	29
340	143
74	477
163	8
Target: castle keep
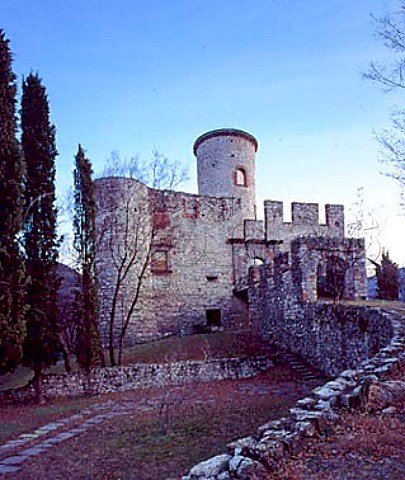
173	262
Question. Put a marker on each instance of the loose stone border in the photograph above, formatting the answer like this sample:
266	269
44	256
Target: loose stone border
256	456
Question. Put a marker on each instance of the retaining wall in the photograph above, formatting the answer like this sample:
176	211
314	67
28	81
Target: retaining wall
141	375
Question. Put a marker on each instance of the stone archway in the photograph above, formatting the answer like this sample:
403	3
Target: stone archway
331	272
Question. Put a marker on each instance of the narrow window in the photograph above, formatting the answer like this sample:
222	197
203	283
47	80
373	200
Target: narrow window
212	278
240	177
159	261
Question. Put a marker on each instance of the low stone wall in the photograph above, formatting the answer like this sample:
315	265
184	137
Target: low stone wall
141	375
257	456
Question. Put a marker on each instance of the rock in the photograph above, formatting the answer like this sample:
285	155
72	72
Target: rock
324	404
210	468
318	418
224	476
235	462
239	446
280	424
383	369
306	429
324	393
307	403
336	385
389	411
348	374
287	438
374	395
251	470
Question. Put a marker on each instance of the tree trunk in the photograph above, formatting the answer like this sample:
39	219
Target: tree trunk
66	359
39	399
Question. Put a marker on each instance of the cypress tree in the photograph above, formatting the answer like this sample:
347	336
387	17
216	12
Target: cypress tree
42	346
12	275
88	351
387	278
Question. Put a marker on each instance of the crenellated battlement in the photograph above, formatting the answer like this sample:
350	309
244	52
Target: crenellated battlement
305	221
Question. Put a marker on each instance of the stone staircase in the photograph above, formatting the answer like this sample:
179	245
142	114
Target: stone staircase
304	370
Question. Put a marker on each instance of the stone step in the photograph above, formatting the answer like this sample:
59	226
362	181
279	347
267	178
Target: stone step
303	369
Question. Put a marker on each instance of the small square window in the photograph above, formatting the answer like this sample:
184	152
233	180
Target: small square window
213	317
159	261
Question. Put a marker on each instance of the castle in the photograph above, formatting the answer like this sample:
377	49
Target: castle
171	262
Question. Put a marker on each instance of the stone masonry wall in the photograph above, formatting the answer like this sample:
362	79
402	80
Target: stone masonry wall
138	376
357	345
327	335
193	232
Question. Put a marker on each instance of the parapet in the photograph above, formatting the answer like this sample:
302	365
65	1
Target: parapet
305	221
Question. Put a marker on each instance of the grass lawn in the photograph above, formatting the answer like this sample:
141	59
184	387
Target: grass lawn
156	443
17	420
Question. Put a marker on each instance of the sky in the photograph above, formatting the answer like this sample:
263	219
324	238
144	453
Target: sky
137	75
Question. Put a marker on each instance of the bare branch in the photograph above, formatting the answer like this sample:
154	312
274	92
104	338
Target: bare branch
157	172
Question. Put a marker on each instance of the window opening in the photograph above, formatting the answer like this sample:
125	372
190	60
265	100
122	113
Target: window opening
212	278
240	177
258	261
159	261
213	316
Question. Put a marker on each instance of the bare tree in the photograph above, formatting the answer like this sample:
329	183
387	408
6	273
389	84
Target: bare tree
127	227
391	30
156	172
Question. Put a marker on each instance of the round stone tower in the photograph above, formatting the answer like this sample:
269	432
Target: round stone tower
226	166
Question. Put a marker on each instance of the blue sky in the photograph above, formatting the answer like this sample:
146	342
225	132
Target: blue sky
131	76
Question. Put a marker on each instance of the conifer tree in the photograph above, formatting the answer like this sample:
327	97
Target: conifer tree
387	278
42	346
88	350
12	275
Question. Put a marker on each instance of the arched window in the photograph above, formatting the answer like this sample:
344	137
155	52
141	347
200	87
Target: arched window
240	177
255	262
258	261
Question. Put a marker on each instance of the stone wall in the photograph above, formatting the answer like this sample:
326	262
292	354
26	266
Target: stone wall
354	343
328	335
138	376
191	232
